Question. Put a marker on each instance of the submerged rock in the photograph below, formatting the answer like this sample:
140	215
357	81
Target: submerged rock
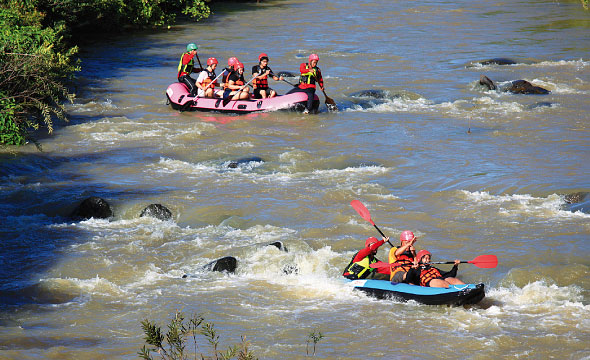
578	201
227	264
498	61
93	207
234	164
279	245
157	211
485	81
525	87
287	74
376	94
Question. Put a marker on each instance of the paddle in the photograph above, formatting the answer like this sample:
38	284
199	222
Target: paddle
217	77
364	213
227	99
330	104
482	261
199	60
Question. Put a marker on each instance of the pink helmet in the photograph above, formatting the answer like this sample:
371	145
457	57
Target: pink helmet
407	235
314	57
262	55
232	61
370	241
239	65
211	61
421	254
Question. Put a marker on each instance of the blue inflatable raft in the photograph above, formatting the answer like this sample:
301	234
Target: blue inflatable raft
454	295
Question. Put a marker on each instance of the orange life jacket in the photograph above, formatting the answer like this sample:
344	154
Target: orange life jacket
239	82
210	77
428	273
401	263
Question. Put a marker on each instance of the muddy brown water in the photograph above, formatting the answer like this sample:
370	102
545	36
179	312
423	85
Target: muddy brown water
79	289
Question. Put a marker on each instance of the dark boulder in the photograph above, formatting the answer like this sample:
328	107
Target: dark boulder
485	81
286	74
227	264
373	93
579	201
498	61
576	197
525	87
93	207
157	211
279	245
246	160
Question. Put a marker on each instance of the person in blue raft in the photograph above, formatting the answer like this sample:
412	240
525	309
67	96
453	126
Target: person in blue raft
360	265
424	274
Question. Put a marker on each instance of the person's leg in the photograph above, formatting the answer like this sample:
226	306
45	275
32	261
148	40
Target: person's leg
272	93
454	281
190	84
440	283
310	95
263	93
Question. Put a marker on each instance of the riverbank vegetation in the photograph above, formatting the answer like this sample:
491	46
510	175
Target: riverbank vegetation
38	52
175	344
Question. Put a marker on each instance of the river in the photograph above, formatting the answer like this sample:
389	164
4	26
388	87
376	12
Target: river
471	171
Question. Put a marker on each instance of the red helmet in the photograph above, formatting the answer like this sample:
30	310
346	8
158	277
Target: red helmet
262	55
370	241
314	57
232	61
407	236
212	60
239	65
421	254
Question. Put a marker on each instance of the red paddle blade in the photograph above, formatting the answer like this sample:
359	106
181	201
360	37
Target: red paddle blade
380	265
362	210
485	261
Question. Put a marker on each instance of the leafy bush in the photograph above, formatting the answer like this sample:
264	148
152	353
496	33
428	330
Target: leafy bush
37	63
34	67
172	345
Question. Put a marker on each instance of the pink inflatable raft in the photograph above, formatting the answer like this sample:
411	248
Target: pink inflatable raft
178	98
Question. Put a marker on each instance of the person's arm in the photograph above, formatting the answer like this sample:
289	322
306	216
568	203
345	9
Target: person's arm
320	79
452	272
200	79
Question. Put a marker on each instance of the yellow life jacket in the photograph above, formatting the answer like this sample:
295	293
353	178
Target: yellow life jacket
309	76
401	263
360	269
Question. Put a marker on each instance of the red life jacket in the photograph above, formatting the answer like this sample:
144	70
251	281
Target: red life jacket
262	82
239	82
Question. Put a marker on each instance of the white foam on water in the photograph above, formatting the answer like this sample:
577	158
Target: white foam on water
92	106
557	88
519	204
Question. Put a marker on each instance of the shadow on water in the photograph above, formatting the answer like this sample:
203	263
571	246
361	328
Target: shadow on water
39	193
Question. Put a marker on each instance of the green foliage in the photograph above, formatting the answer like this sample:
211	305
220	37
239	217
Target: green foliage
11	133
172	345
35	65
112	15
315	336
585	4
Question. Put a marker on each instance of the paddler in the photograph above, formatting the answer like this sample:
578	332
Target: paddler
206	81
310	75
262	71
359	267
402	257
234	88
186	66
427	275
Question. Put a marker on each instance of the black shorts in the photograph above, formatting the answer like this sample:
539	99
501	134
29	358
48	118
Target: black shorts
257	92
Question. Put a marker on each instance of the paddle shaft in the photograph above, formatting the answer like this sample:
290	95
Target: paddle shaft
199	60
218	76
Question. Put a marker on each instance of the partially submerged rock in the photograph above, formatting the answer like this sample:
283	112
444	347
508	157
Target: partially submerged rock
93	207
525	87
157	211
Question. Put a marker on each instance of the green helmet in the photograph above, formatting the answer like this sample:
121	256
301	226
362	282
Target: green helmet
191	46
